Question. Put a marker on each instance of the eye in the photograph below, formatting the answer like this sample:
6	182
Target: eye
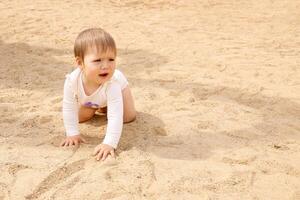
111	59
98	60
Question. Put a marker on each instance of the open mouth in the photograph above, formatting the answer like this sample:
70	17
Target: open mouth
103	75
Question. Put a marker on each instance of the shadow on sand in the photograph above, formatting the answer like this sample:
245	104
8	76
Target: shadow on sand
148	132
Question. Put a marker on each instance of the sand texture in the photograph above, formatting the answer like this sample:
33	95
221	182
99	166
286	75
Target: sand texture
216	85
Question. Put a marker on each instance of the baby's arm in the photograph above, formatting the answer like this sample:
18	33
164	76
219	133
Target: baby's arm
115	122
114	115
70	116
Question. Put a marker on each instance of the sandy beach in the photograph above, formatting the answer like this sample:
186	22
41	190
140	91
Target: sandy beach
216	85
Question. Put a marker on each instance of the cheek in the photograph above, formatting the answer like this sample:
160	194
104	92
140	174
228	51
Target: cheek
90	72
113	65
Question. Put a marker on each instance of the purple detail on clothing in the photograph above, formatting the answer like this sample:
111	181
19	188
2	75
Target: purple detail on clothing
91	104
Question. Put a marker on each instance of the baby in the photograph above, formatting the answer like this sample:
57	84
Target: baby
96	84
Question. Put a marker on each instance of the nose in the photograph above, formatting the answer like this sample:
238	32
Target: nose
104	65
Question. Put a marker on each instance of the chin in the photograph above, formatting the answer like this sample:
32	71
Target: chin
103	80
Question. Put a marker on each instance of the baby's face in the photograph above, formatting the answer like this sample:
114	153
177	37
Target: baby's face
98	67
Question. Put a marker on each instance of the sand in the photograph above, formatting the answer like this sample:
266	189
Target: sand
216	85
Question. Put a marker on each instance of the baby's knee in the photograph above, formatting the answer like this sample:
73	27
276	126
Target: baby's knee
130	118
85	113
83	119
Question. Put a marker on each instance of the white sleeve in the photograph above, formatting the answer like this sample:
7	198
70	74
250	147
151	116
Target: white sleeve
114	115
70	110
121	79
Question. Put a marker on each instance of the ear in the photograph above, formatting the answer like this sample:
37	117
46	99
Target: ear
79	62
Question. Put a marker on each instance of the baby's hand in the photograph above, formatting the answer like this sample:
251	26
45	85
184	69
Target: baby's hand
72	140
102	151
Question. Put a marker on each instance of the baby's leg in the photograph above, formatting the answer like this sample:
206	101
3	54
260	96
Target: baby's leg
128	104
85	113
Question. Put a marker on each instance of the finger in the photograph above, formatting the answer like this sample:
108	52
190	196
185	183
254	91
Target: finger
104	155
62	143
66	143
96	150
99	156
112	153
70	143
83	140
76	143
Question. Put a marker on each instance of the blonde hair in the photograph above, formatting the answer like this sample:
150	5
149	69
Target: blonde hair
93	38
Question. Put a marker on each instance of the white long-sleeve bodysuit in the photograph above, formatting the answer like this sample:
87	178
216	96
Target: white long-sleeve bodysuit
108	94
